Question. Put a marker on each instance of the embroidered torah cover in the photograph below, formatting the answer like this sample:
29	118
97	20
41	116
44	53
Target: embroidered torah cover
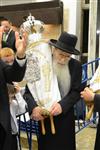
42	82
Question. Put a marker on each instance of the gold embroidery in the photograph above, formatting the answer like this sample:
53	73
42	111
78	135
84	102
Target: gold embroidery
46	72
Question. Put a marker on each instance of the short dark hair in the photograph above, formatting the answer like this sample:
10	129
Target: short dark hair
11	89
4	19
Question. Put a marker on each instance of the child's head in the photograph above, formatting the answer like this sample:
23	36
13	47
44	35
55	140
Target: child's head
7	55
11	91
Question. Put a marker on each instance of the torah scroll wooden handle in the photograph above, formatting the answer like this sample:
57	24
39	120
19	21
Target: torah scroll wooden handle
90	112
52	125
43	127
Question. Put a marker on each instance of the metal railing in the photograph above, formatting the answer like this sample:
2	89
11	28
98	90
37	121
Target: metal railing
88	70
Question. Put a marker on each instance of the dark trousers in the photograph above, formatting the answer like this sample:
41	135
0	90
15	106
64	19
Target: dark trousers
14	142
2	137
7	142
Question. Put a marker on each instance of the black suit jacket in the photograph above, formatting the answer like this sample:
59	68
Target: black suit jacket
10	41
97	102
7	75
97	109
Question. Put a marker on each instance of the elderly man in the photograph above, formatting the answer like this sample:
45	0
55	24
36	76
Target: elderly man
68	73
8	74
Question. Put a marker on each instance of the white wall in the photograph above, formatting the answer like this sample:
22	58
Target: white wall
13	2
70	7
72	18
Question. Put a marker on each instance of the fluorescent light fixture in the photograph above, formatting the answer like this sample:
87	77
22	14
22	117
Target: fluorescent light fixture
98	32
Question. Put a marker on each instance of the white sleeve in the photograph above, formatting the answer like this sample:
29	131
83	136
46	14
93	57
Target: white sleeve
22	105
21	62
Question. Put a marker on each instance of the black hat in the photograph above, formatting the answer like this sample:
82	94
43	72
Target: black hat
66	43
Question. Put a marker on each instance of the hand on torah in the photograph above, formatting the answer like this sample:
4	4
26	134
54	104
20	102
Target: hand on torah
45	114
88	96
54	111
39	114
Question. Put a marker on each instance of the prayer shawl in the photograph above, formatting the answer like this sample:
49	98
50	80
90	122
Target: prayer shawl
95	81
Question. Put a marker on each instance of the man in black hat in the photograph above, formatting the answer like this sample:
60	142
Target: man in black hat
68	72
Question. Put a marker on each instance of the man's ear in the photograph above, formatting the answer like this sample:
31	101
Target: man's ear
52	49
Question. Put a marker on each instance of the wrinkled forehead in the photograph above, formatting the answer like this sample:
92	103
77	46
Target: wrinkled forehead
59	51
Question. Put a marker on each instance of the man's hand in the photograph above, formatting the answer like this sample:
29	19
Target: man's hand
37	114
21	44
88	95
56	109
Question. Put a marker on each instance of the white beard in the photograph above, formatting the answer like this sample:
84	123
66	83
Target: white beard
63	76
